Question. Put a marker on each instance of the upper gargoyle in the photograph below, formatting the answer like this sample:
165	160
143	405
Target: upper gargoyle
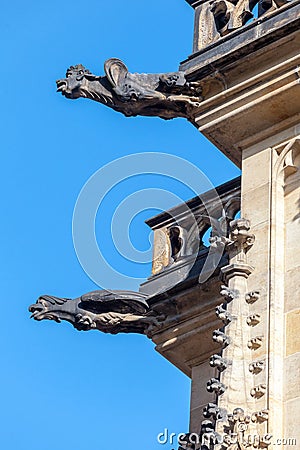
166	95
108	311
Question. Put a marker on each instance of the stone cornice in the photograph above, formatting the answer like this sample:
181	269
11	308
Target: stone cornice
255	35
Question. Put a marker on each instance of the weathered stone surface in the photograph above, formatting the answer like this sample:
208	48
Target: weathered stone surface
260	91
291	377
275	251
192	221
107	311
242	92
218	18
165	95
293	332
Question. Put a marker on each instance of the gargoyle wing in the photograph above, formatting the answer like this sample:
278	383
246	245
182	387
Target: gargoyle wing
114	301
116	71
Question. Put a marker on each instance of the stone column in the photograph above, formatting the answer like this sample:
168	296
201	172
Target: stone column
270	196
253	117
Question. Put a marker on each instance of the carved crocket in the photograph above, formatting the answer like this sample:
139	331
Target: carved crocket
166	95
108	311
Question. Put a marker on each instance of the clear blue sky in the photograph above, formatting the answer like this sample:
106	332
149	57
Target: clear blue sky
62	389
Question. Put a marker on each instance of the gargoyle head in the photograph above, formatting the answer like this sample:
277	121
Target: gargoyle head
49	307
76	79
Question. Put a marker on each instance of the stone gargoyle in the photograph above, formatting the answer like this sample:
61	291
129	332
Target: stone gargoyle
108	311
165	95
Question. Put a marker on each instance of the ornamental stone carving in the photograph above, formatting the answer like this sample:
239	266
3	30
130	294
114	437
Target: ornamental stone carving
240	235
208	436
228	294
166	95
258	391
214	385
107	311
221	338
211	410
238	434
253	320
252	297
260	416
256	367
255	343
223	315
218	362
206	440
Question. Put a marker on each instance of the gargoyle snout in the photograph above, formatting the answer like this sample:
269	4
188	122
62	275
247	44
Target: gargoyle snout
36	311
47	307
35	307
69	87
38	308
61	85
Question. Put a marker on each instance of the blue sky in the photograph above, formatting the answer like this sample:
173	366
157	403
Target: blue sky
62	389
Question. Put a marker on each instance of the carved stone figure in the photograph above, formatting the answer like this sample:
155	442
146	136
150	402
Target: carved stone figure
221	338
256	367
258	391
209	437
211	410
240	235
227	293
235	237
260	416
214	385
108	311
255	343
220	363
223	315
252	297
253	320
234	439
165	95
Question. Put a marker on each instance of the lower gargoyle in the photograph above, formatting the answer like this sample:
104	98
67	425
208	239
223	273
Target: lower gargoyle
108	311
